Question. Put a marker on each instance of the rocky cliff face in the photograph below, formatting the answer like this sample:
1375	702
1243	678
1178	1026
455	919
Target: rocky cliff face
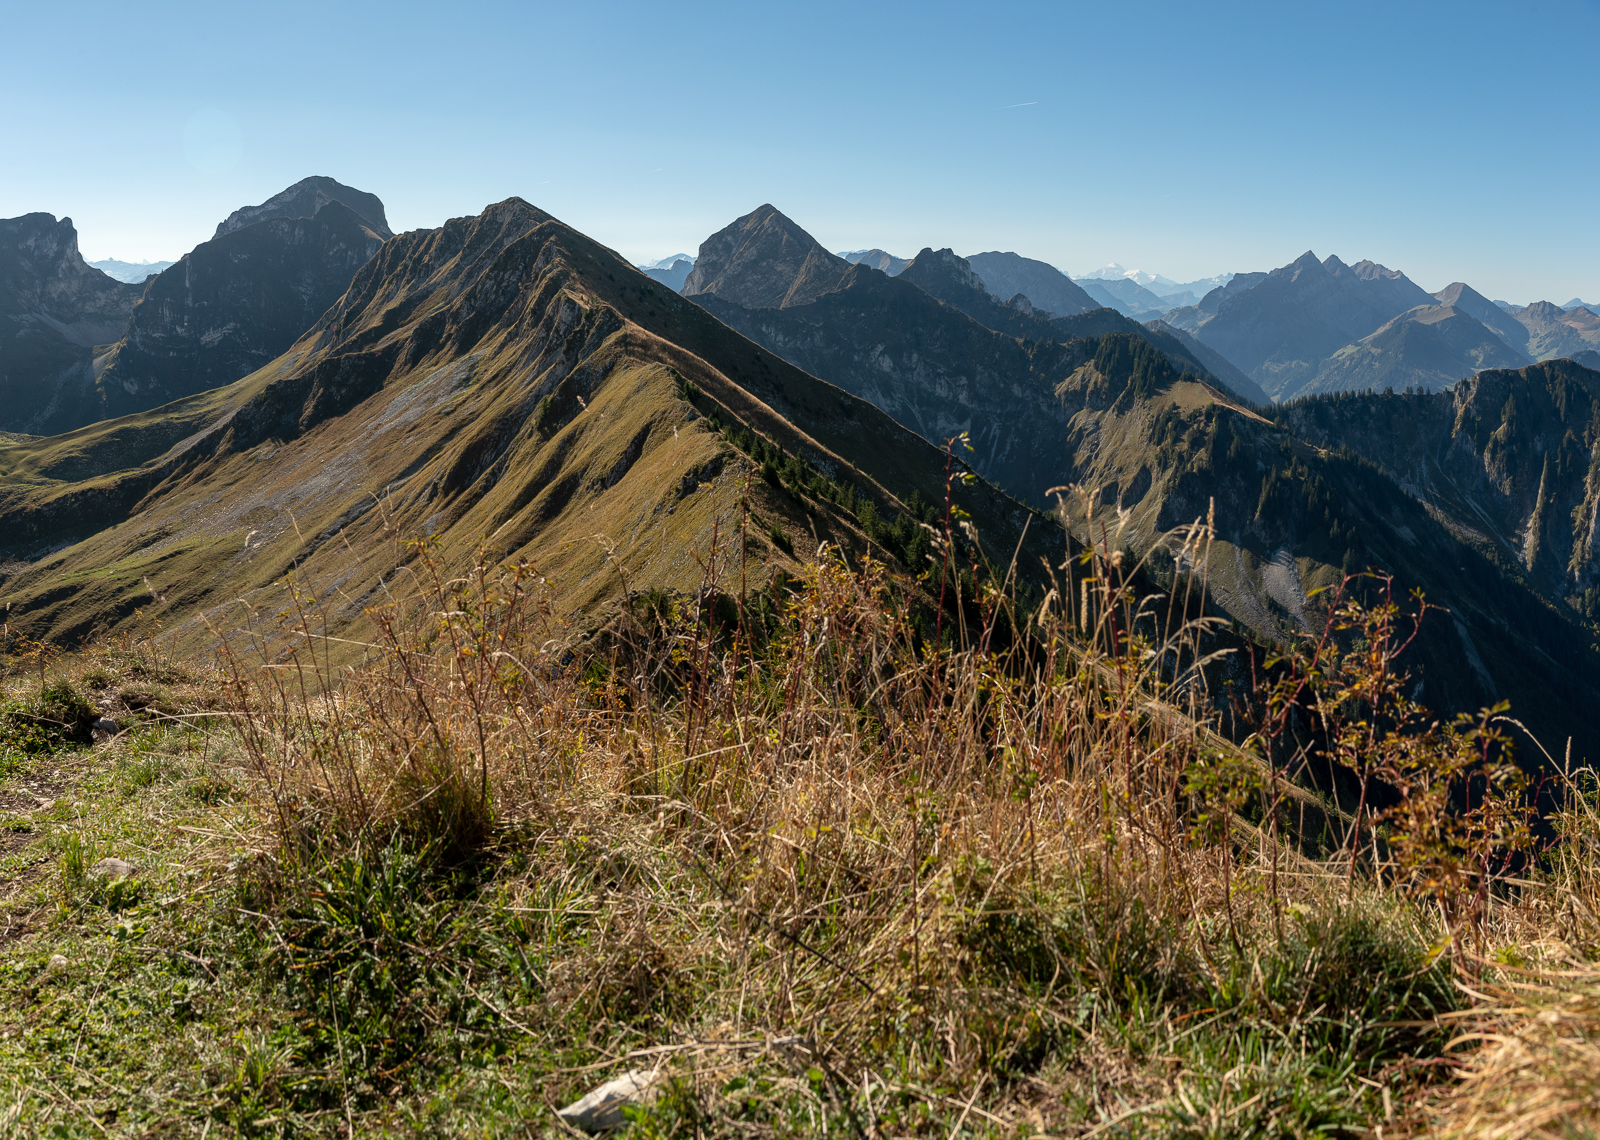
304	200
54	310
233	304
1509	460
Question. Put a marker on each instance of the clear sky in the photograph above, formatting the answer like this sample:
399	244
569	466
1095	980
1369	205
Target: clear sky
1453	140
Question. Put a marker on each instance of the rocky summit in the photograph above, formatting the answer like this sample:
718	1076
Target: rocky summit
54	312
234	303
305	199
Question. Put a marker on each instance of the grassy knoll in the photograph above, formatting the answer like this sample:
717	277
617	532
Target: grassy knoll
823	878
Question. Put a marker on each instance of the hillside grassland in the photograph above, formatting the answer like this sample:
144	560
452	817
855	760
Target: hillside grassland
826	860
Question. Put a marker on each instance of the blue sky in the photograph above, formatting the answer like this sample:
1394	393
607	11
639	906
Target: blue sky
1454	141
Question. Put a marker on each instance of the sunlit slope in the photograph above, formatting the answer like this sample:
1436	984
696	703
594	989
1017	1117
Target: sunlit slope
502	382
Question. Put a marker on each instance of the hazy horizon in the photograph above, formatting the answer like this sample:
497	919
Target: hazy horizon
1449	142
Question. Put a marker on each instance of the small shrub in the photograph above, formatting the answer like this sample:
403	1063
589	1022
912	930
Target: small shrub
57	718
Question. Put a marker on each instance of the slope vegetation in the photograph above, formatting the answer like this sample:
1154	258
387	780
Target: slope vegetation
502	380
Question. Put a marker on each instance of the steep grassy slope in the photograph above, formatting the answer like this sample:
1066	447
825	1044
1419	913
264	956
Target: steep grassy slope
501	381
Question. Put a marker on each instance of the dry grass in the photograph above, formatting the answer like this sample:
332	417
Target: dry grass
1013	870
834	878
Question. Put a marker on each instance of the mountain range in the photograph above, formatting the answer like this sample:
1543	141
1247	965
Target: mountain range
670	271
1320	326
88	347
132	272
502	376
1300	495
303	390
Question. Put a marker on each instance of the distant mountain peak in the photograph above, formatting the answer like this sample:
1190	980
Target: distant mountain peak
881	260
1046	287
304	199
1372	271
947	263
764	261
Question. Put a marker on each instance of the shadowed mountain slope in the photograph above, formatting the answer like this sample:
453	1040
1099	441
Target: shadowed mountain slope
232	304
1505	459
1164	336
501	380
1127	297
935	350
54	311
1464	297
1434	488
764	261
1280	328
304	199
1431	347
1007	274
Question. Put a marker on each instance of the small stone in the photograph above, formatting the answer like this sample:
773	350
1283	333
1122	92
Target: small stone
57	963
602	1108
112	868
106	724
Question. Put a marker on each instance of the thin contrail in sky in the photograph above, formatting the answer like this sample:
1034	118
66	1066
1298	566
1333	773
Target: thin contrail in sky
1008	107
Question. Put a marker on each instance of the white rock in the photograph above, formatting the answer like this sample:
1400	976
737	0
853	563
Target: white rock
602	1108
106	724
57	963
112	868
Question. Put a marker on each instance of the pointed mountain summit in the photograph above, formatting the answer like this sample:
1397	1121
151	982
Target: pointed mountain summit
304	199
1554	331
1007	274
764	261
1464	297
54	311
